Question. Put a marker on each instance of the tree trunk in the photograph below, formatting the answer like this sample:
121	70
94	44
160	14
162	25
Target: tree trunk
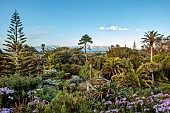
17	60
85	48
91	70
151	61
85	51
151	52
152	77
86	56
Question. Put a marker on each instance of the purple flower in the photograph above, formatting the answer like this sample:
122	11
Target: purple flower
115	110
34	101
160	94
7	110
120	102
159	100
161	109
124	99
9	91
129	107
168	108
5	90
101	111
108	111
108	102
140	101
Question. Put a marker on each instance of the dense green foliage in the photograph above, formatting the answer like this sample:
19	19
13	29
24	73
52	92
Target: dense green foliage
65	80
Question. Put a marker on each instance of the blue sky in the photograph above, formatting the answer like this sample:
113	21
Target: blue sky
107	22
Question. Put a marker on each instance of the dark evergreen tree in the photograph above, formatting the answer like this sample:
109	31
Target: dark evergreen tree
134	45
14	46
43	47
84	40
1	65
15	35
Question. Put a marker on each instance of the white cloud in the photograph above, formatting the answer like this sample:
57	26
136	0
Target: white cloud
101	28
139	30
113	28
45	27
34	36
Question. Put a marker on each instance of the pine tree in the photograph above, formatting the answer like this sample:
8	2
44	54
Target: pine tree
84	41
27	56
1	59
16	35
43	48
14	46
6	65
134	45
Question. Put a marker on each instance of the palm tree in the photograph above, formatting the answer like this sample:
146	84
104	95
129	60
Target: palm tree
151	37
113	66
138	78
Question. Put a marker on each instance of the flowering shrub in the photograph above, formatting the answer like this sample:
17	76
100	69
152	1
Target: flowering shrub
5	97
7	110
17	96
34	104
45	93
156	103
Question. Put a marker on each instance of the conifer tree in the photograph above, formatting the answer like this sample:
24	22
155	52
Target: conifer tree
134	45
14	46
84	41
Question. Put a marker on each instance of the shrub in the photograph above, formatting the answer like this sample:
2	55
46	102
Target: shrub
20	85
69	103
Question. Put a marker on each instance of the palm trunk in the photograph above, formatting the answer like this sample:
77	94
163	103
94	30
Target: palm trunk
151	52
151	61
